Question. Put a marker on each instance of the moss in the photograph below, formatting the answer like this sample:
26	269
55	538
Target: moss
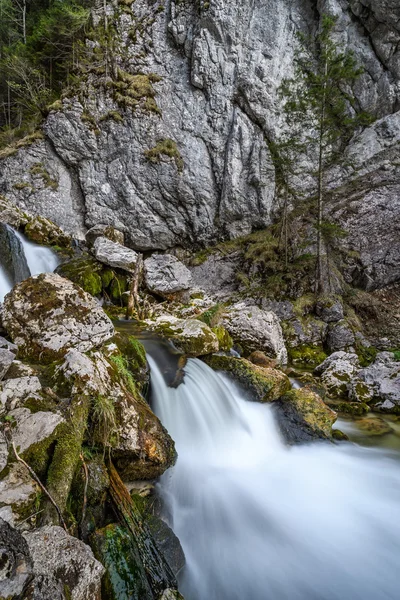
311	356
212	315
339	436
22	186
264	384
107	275
67	450
136	91
165	147
39	169
45	232
348	408
121	365
114	115
366	355
224	339
56	106
117	289
312	410
28	140
85	271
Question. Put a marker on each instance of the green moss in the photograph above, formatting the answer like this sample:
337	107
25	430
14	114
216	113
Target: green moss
165	147
86	272
265	384
28	140
114	115
45	232
22	186
39	169
67	450
136	91
348	408
312	410
121	365
339	436
117	289
310	356
366	355
212	315
107	275
224	339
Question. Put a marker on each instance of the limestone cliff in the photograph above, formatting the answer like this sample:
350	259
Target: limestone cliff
190	162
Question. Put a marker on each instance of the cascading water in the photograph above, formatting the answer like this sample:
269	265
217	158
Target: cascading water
258	520
20	258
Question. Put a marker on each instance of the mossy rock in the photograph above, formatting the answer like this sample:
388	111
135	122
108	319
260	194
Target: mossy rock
348	408
224	339
190	336
311	410
125	577
44	232
85	271
310	356
264	384
117	289
374	426
339	436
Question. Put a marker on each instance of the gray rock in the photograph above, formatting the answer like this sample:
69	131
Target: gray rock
16	570
338	374
383	380
340	337
217	276
3	451
6	358
330	313
104	231
18	492
64	565
33	428
166	276
5	344
46	315
114	255
191	336
14	392
255	329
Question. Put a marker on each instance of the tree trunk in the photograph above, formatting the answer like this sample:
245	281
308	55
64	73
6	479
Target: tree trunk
319	279
134	300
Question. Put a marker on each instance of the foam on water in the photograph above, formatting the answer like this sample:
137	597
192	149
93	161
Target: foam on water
260	521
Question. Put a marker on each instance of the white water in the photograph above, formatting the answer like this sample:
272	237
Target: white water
39	259
260	521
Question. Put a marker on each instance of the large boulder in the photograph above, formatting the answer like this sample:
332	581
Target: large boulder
46	315
340	376
255	329
383	380
140	445
340	336
191	336
63	566
106	231
115	255
166	276
303	416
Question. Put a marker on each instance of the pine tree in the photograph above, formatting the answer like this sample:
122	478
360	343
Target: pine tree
322	115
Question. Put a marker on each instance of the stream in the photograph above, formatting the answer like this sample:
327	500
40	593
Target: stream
258	520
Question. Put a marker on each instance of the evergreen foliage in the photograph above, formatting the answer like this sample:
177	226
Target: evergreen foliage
39	45
322	115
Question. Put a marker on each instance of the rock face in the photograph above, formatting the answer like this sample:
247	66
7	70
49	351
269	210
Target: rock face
6	358
256	329
46	314
199	167
166	276
383	380
114	254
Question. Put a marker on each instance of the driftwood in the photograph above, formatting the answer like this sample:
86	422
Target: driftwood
158	572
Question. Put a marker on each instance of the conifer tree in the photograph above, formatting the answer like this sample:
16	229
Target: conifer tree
322	115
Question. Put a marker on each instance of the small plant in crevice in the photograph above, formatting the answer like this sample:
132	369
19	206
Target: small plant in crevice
104	421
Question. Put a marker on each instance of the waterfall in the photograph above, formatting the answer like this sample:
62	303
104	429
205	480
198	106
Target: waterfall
20	259
258	520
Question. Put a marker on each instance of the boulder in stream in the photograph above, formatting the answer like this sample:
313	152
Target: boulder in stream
191	336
